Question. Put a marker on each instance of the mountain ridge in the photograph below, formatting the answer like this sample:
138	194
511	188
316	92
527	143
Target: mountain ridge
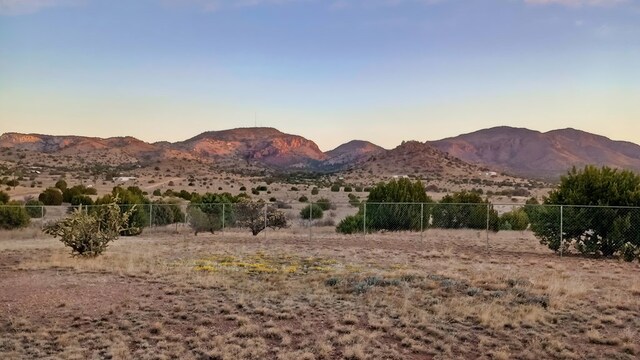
514	150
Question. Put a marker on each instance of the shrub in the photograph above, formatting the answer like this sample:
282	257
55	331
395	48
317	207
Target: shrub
13	216
315	191
35	209
166	213
243	188
335	188
51	197
347	189
629	252
12	183
69	193
4	197
324	204
303	199
353	200
514	220
397	205
464	210
598	230
210	212
293	188
311	211
252	215
89	233
157	192
127	199
351	224
61	184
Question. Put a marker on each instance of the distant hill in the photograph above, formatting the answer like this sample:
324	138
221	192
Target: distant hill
351	154
531	153
413	158
517	151
266	146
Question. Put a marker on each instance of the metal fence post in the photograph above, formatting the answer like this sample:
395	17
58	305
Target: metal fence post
150	215
561	237
310	217
488	216
223	218
364	221
421	220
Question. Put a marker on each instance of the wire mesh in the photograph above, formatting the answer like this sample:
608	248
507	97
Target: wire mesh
592	230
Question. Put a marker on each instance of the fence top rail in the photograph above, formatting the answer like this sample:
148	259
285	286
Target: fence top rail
338	203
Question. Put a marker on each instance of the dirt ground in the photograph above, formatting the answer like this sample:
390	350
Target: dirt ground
444	295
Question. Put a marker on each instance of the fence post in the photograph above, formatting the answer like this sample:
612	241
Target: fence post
150	215
421	220
42	212
364	221
223	218
310	217
488	216
561	237
265	221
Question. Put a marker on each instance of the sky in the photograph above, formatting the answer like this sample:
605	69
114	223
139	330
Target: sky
331	71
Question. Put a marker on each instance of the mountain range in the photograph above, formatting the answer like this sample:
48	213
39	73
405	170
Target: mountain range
517	151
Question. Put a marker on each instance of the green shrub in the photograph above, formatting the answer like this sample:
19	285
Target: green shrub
311	211
347	189
600	230
126	199
166	213
89	233
397	205
514	220
465	210
4	197
324	204
303	199
35	209
157	192
351	224
315	191
629	252
335	188
61	184
13	216
210	212
51	197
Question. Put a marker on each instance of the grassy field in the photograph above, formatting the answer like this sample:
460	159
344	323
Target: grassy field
168	295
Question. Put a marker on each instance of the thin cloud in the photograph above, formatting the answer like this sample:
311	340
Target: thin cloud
577	3
21	7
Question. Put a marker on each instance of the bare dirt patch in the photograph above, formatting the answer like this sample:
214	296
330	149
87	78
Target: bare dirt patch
393	295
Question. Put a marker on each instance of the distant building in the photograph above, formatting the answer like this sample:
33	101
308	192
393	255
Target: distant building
125	178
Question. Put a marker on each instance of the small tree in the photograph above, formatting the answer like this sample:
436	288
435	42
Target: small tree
514	220
252	215
13	216
35	209
61	184
51	197
464	209
324	203
598	215
4	197
311	211
397	205
89	234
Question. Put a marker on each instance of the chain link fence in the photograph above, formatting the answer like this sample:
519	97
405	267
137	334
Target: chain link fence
587	229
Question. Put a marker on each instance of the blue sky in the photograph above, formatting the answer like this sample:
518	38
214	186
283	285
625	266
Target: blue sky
332	71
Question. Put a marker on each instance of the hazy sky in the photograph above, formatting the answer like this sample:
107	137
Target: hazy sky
332	71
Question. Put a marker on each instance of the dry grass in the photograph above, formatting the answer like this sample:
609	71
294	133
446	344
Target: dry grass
396	296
